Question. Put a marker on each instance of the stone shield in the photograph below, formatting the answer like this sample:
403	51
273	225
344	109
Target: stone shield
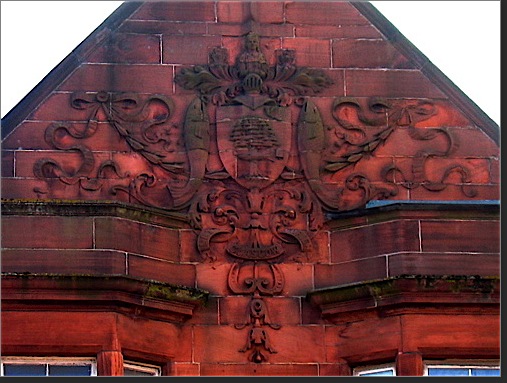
254	141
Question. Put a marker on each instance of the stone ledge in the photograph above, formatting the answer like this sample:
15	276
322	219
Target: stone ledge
480	210
70	208
410	294
81	292
419	210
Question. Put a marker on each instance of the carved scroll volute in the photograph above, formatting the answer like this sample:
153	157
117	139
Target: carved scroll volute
62	136
265	279
142	121
367	124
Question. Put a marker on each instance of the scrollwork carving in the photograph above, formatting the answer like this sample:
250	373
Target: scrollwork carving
419	177
141	122
366	125
57	135
257	224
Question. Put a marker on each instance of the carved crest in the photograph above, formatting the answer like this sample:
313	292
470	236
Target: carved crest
247	205
254	147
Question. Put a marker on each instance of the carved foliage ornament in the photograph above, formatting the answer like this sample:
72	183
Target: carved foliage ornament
251	163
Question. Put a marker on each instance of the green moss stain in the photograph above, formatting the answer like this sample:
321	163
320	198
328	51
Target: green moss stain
395	285
153	289
174	293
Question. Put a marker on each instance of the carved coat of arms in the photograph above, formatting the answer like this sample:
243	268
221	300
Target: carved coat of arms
247	206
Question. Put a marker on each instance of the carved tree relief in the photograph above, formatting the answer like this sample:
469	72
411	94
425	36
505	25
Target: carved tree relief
248	163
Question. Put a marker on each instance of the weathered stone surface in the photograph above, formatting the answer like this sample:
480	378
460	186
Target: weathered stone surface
233	147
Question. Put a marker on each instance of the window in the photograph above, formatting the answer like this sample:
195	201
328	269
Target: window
35	366
375	370
463	368
140	369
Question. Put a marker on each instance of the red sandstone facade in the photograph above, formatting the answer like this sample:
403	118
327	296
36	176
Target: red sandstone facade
265	188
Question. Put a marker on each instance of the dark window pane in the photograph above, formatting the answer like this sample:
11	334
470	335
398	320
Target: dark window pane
448	371
24	370
55	370
485	372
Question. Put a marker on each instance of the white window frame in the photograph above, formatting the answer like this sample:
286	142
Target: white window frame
462	364
363	370
151	369
54	361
